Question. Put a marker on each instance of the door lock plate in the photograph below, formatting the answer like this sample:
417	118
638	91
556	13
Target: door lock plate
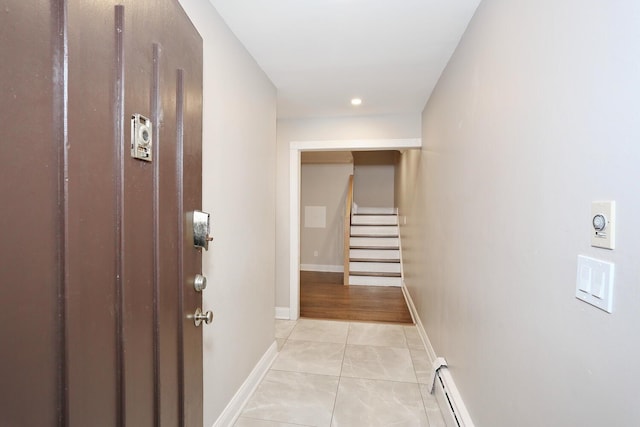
141	138
201	236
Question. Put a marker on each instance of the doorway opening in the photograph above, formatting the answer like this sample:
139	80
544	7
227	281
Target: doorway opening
296	150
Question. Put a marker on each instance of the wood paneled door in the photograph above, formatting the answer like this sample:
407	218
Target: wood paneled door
96	257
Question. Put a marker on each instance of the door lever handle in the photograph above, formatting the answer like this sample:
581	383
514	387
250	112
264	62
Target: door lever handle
200	316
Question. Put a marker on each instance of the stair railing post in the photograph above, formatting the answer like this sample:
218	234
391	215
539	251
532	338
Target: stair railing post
347	229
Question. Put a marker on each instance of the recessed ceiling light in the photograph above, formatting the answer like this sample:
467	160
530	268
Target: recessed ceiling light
356	101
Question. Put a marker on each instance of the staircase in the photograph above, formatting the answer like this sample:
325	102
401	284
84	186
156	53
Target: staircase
374	247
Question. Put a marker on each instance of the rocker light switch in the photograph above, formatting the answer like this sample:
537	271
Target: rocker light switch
584	278
594	283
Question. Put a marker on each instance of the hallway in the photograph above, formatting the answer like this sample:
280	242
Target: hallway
323	296
334	373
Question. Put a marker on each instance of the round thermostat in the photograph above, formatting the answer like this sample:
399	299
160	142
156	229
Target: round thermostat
599	222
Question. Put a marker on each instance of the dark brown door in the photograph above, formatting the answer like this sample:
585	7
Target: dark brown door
97	259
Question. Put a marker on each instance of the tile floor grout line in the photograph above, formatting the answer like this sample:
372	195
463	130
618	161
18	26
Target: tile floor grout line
415	372
381	380
344	354
309	332
307	373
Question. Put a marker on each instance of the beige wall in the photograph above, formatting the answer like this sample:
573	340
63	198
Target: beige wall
239	192
323	185
373	186
376	127
535	117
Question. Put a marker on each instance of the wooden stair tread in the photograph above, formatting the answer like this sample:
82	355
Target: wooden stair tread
375	247
381	220
386	260
377	214
373	235
373	274
386	248
375	210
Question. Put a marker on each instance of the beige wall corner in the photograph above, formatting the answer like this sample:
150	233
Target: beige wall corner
323	185
239	157
535	117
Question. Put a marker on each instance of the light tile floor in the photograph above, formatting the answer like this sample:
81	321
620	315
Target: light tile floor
344	374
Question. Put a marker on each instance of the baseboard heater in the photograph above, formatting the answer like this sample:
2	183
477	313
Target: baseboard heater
450	402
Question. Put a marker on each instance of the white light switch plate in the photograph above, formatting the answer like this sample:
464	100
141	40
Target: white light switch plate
594	282
605	238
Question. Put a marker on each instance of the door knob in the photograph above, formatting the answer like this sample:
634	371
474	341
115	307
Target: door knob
199	317
199	282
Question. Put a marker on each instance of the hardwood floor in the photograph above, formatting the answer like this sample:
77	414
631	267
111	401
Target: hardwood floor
323	296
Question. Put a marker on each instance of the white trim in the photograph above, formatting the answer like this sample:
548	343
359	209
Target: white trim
294	234
374	220
416	319
295	148
405	291
463	417
458	408
323	268
400	249
374	242
374	254
240	399
395	282
374	267
444	405
356	144
282	313
376	211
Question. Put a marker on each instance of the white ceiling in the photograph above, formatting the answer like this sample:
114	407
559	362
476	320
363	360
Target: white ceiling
321	53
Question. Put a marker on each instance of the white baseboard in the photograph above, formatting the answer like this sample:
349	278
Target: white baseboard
416	319
445	406
231	413
323	268
409	301
452	403
282	313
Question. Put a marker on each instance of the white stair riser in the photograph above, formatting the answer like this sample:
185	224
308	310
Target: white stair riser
375	281
386	254
374	220
374	230
374	242
374	267
376	211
